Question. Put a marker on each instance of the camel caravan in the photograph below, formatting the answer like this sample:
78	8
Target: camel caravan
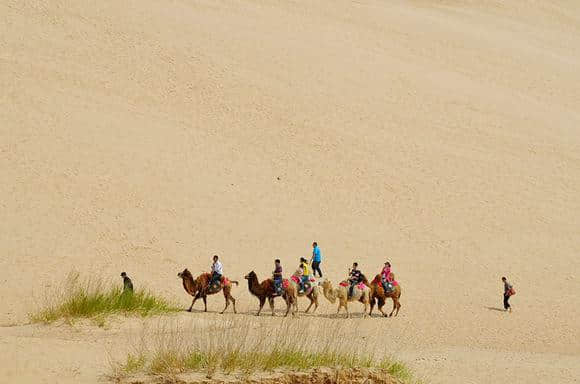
356	288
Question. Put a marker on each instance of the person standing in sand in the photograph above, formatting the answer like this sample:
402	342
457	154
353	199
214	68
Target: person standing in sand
127	283
316	259
508	291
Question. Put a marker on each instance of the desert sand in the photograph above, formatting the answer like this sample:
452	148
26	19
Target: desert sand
146	136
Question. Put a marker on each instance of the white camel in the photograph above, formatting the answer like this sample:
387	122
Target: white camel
361	293
312	292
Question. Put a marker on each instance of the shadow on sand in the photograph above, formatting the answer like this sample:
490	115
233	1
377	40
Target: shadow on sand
495	309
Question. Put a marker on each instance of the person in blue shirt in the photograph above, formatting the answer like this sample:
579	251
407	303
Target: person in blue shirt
316	259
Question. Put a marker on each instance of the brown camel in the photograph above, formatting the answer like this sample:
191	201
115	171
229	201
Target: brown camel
378	294
266	290
200	288
311	293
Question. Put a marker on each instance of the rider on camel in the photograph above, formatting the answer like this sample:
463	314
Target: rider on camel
305	274
387	277
355	276
277	275
216	271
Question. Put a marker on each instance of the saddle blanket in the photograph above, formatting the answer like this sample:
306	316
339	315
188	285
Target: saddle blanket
360	286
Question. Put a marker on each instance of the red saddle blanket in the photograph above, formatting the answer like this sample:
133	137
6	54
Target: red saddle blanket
360	286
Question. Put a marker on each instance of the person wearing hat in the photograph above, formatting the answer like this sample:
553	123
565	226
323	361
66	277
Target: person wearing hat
387	277
386	273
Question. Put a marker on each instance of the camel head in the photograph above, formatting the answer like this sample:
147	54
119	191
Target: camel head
185	274
251	276
326	284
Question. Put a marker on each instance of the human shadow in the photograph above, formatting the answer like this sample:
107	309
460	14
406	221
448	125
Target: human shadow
495	309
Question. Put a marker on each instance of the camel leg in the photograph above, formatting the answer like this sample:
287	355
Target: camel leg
288	306
315	297
311	302
366	304
193	302
228	297
398	306
227	305
346	309
262	302
233	303
380	307
394	306
204	297
271	302
373	300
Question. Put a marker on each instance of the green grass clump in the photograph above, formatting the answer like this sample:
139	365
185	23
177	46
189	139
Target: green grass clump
93	299
172	362
235	347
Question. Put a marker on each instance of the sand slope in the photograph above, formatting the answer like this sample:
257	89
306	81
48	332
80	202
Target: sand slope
441	135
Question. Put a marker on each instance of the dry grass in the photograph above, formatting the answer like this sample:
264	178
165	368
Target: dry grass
242	347
95	299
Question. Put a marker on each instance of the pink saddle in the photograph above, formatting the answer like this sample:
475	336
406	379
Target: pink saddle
295	279
285	283
343	284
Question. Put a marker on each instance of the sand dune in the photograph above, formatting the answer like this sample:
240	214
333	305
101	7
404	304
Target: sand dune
147	136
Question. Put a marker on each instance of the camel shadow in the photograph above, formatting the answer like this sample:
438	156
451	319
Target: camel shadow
495	309
353	315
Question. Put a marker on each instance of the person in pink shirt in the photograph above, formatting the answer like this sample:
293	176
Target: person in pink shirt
386	273
387	278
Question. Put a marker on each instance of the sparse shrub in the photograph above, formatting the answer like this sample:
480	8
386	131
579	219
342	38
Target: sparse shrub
94	299
234	347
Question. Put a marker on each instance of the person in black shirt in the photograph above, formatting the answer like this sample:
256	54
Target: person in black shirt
354	277
127	284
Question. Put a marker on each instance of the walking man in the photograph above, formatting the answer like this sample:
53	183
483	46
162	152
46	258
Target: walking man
508	291
316	259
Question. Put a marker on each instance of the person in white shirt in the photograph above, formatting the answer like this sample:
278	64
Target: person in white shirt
216	270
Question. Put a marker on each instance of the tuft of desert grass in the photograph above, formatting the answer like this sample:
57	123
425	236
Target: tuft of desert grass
95	299
236	346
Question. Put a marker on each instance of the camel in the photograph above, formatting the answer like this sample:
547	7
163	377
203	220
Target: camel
311	293
378	294
200	288
266	290
361	293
